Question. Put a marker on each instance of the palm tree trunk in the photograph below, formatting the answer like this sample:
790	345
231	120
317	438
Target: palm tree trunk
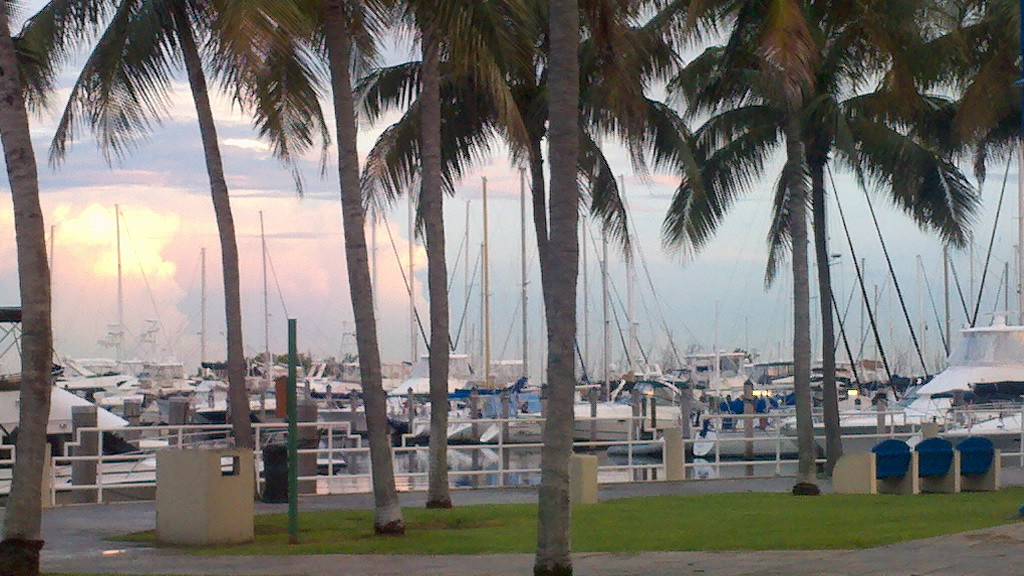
795	166
19	550
830	398
563	268
241	426
538	196
432	198
388	513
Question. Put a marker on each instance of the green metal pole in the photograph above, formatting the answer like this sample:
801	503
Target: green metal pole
293	436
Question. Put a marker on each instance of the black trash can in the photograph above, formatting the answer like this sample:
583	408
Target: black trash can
275	473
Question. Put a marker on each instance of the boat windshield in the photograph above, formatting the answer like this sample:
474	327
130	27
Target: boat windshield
908	397
663	395
989	349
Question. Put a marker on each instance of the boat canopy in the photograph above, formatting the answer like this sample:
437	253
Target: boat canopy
982	356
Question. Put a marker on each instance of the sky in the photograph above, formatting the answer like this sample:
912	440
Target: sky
685	301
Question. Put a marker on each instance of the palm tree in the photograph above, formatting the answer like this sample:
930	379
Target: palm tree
338	20
562	271
432	198
124	85
22	539
769	42
980	50
888	154
457	29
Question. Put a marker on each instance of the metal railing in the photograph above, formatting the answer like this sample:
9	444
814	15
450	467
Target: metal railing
628	452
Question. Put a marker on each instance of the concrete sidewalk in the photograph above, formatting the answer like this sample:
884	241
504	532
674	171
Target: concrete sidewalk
76	541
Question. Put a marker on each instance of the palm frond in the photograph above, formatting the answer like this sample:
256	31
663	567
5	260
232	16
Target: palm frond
51	37
599	182
921	181
388	88
123	86
256	56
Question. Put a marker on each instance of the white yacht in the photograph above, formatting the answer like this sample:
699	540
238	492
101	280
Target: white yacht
984	376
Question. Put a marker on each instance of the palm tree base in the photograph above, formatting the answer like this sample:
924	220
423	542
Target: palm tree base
806	489
444	503
553	570
20	557
395	528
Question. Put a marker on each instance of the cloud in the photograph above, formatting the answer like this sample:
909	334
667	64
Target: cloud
90	234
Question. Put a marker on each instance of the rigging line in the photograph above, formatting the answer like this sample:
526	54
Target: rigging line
842	336
623	338
179	331
145	278
647	316
999	292
643	262
896	284
860	276
657	306
277	284
935	309
844	315
960	291
615	316
579	354
511	327
465	306
458	258
991	243
408	290
618	324
877	303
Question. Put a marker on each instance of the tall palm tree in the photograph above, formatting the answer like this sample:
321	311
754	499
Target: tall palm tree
22	539
886	135
563	268
625	51
432	199
340	21
124	86
769	42
459	30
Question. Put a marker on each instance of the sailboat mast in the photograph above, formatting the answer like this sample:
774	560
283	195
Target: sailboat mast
413	343
202	306
487	294
266	300
921	307
466	347
945	292
1020	226
716	371
586	293
606	323
373	255
120	286
630	294
522	265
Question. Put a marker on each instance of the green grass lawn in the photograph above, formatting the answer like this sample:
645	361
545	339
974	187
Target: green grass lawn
751	521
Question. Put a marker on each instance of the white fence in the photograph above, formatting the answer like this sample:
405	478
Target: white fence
342	458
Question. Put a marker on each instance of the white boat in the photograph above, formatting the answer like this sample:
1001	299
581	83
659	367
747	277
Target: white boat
61	404
418	382
986	365
615	422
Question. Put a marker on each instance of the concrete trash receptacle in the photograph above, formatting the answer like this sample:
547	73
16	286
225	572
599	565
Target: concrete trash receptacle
205	496
583	479
275	473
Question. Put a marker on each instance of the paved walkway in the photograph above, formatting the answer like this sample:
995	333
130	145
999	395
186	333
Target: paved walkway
76	542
